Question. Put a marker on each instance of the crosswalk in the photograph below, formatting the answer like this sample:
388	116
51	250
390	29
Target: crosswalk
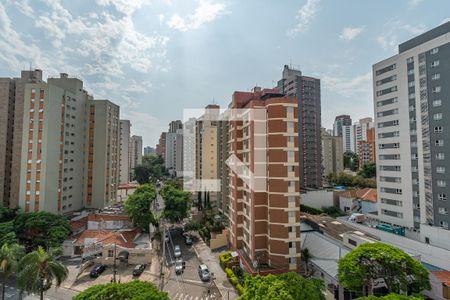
182	296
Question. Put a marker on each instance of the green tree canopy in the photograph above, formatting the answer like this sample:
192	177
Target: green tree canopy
7	233
151	169
38	270
9	258
287	286
373	261
41	229
134	290
368	170
176	203
138	206
351	160
7	214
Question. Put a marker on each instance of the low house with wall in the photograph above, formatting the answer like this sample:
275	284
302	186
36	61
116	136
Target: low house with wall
362	201
320	198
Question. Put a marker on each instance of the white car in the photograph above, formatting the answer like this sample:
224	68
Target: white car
177	251
203	272
179	266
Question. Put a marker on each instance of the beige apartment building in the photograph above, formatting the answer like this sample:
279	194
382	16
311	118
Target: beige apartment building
332	154
125	126
207	163
11	127
265	224
52	177
135	153
103	150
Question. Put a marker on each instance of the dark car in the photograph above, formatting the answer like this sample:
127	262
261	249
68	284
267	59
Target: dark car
138	270
97	270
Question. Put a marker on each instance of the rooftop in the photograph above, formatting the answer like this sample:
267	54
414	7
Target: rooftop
443	276
124	238
367	194
424	37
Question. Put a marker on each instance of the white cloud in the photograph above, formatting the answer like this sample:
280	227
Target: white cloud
304	16
149	128
206	11
413	3
349	33
128	7
393	32
415	29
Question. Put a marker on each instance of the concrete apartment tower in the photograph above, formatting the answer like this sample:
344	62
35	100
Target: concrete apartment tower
411	91
11	129
223	170
161	147
360	131
103	150
367	148
135	153
207	155
174	148
307	91
348	138
52	164
339	121
332	154
125	127
265	225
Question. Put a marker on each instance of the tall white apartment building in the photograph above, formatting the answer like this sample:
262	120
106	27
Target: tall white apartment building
125	127
348	138
411	99
360	131
135	153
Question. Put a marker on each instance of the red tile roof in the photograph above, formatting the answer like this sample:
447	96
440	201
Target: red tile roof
105	217
443	276
367	194
107	237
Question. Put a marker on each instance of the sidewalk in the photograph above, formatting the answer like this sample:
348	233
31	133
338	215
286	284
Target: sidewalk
211	259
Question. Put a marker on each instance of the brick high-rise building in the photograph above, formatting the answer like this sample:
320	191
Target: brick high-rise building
161	147
307	91
265	224
367	150
11	128
103	149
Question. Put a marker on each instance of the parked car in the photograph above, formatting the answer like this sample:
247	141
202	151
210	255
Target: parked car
177	251
179	266
139	269
97	270
203	272
188	240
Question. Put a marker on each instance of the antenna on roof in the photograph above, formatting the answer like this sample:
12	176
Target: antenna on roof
214	101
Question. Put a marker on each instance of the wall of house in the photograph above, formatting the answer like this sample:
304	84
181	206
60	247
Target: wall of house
319	198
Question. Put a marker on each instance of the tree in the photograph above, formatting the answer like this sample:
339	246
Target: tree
138	206
7	234
133	290
151	169
176	203
142	174
41	229
9	258
306	258
373	261
368	170
7	214
351	160
38	270
287	286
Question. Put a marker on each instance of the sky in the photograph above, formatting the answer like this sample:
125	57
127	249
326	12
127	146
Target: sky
157	57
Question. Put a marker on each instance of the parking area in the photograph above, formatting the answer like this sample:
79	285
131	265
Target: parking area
188	285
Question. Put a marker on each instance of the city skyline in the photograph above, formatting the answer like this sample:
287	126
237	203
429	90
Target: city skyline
140	53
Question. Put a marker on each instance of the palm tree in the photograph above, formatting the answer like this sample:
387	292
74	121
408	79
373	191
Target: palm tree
9	257
306	257
38	270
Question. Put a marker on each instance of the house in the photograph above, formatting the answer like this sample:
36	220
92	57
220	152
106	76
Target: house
359	201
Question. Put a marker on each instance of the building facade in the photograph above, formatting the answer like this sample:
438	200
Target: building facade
360	131
339	121
265	224
367	148
307	91
135	153
161	147
173	158
332	154
11	130
149	150
410	93
348	138
125	127
103	150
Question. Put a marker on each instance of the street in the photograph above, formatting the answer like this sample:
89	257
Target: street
188	285
12	293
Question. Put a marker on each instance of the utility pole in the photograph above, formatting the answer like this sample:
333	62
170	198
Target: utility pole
115	266
163	238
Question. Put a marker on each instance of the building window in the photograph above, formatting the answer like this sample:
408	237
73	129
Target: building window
443	211
436	76
440	170
442	197
291	214
444	224
441	183
440	156
110	253
434	50
290	110
352	242
436	89
439	143
438	129
437	103
292	260
437	116
435	63
290	168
